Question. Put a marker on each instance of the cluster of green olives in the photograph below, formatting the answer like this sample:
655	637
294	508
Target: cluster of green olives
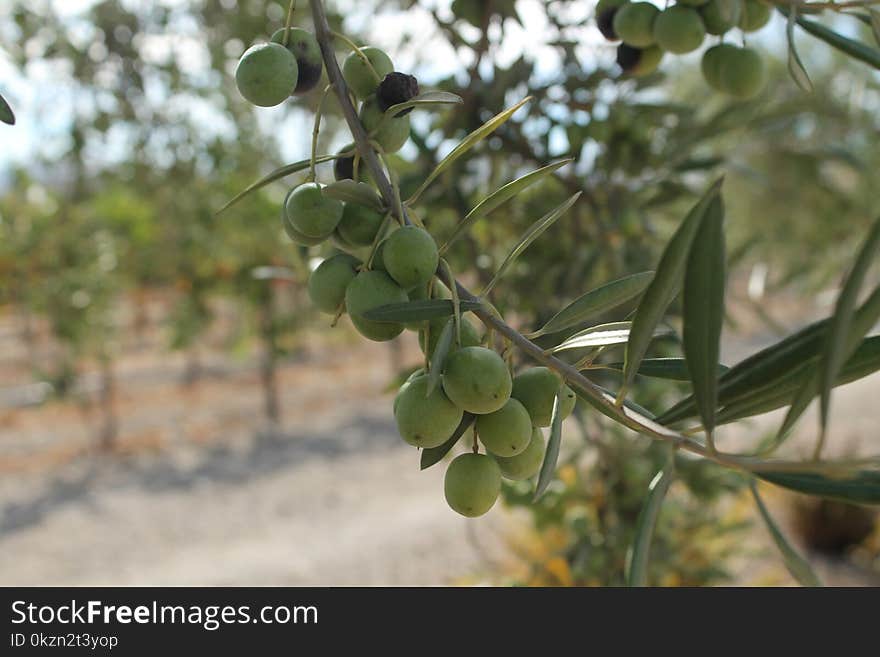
647	33
510	411
374	267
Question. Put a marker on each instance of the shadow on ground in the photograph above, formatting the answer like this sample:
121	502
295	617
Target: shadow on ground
231	464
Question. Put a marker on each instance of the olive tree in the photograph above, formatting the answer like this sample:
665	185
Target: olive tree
397	277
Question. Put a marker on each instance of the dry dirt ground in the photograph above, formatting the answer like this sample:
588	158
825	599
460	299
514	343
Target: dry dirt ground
195	495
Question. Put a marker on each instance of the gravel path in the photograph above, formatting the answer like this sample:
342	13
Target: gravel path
334	499
196	496
343	506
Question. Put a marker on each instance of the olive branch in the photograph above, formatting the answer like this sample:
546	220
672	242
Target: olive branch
587	390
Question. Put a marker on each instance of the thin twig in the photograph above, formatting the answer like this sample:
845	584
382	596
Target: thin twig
572	376
288	22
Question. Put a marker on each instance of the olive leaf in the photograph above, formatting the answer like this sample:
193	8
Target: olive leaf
551	455
441	350
595	302
665	283
630	415
778	393
671	369
854	49
762	368
500	196
433	455
795	564
600	335
840	343
6	114
349	191
874	15
860	322
770	378
703	313
698	164
857	486
533	233
597	336
426	99
277	174
465	145
417	311
795	66
640	551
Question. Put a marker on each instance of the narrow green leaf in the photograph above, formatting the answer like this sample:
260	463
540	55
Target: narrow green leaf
640	552
854	49
671	369
698	164
417	311
806	391
795	66
664	285
874	15
426	99
798	566
756	384
631	415
596	336
466	144
6	114
840	343
433	455
865	361
551	455
855	487
861	322
603	335
277	174
533	233
444	344
595	302
349	191
704	311
500	196
759	369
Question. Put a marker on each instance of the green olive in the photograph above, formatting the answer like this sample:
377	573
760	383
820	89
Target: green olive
477	379
472	484
368	290
679	29
634	23
536	389
527	463
507	431
327	284
425	420
362	79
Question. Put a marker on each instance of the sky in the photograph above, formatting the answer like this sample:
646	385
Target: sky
42	96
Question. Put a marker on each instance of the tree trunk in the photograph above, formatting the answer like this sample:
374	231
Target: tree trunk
192	371
28	336
268	370
109	424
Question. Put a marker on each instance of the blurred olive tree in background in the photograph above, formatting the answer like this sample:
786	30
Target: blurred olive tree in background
138	138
